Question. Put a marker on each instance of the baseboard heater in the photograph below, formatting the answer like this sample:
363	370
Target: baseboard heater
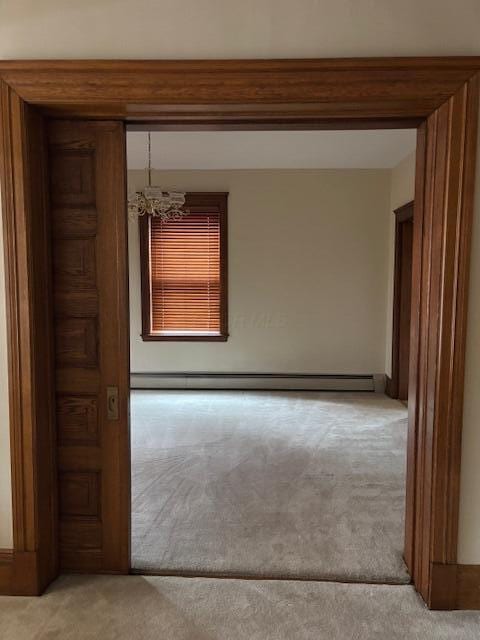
256	381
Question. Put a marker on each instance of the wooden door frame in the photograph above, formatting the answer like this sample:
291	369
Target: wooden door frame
439	96
402	214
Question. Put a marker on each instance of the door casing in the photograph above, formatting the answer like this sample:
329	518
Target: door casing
439	96
403	215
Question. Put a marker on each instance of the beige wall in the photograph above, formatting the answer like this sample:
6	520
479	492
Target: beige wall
266	28
229	28
402	190
307	273
469	545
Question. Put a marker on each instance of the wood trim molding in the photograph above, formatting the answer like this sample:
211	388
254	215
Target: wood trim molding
6	565
389	389
442	229
17	275
274	92
402	214
20	574
438	95
405	212
455	586
28	335
468	587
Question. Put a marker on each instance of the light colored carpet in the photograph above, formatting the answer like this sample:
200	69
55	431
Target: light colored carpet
154	608
269	484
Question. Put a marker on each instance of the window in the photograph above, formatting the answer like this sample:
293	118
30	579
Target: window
184	272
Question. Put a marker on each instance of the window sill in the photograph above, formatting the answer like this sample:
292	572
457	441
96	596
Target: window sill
186	337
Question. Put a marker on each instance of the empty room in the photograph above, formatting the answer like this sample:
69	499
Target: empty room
269	336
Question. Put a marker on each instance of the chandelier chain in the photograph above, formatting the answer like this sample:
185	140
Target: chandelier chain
149	159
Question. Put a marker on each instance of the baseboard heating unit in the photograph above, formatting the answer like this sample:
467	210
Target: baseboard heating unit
257	381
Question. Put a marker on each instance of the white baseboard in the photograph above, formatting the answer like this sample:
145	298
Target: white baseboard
255	381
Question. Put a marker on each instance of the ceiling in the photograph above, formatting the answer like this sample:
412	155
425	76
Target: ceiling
371	149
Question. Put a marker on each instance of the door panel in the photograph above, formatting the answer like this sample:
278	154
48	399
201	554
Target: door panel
87	199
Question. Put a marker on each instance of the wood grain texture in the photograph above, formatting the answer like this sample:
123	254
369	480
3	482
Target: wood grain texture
14	189
414	460
87	192
21	573
77	420
242	91
75	340
442	230
468	587
27	265
455	586
6	570
80	494
443	586
46	559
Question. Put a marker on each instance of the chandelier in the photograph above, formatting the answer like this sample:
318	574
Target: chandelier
153	201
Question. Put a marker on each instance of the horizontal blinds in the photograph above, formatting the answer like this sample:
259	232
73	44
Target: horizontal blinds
185	274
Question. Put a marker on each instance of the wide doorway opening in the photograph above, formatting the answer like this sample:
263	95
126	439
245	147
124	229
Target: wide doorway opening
268	437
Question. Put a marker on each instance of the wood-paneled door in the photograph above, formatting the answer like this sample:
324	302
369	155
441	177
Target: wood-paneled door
402	302
90	290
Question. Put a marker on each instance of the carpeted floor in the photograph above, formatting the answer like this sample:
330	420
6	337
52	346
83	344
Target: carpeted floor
278	484
152	608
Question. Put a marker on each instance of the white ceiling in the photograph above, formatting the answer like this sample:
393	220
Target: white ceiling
372	149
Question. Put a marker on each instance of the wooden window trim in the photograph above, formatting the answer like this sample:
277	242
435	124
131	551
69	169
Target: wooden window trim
197	202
